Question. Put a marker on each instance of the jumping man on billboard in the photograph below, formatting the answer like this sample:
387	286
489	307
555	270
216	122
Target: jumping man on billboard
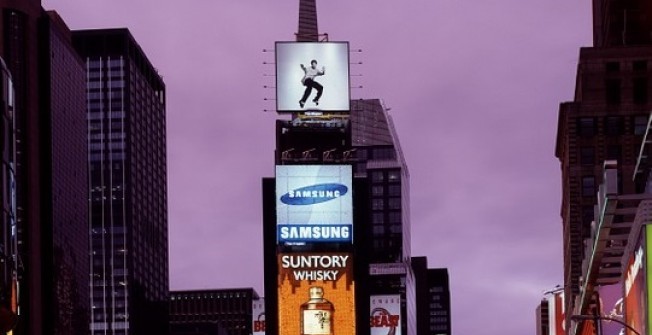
309	82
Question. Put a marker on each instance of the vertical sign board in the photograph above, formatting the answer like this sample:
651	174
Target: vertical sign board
385	318
635	287
316	293
557	315
314	204
258	317
312	76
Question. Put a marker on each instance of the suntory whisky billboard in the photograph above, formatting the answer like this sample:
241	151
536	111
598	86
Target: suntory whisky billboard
314	203
312	76
316	294
385	318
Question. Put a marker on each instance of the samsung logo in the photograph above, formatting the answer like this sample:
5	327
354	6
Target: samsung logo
314	194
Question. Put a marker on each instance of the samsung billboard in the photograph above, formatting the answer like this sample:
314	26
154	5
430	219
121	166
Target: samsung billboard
312	76
316	294
314	203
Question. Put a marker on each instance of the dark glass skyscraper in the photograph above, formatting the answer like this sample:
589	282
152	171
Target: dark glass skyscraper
64	253
128	185
51	214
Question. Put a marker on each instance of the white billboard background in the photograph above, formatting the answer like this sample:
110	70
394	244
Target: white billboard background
385	304
334	56
258	316
335	211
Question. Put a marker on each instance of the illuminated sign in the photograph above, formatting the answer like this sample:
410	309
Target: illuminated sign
557	314
312	76
635	288
258	315
316	293
385	318
314	203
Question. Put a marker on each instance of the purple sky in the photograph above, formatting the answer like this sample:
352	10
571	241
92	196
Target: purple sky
473	87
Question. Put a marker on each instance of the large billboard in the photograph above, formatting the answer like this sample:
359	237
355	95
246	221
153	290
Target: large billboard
258	317
316	294
385	317
312	76
314	203
635	289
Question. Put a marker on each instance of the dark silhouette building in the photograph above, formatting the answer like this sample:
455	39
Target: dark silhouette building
380	161
542	318
51	214
433	299
128	185
605	121
8	228
218	312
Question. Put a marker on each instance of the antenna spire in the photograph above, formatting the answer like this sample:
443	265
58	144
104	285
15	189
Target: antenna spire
308	30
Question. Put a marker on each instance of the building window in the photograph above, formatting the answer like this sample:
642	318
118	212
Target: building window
613	126
378	218
377	176
377	190
640	125
639	66
612	91
614	152
587	156
394	203
394	175
588	186
586	126
587	214
394	190
612	67
639	91
377	204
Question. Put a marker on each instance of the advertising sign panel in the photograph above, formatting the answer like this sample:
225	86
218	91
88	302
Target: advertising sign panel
385	316
312	76
556	308
316	294
314	203
258	315
635	299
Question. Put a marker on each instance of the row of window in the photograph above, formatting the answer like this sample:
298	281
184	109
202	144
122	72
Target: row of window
613	125
588	156
613	91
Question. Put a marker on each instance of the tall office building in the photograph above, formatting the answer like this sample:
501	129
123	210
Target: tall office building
218	311
433	299
605	121
380	161
51	214
64	204
363	137
128	185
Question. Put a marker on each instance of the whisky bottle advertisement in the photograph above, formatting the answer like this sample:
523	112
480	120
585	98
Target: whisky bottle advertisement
317	314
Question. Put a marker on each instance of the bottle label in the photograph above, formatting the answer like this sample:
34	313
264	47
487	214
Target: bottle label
316	322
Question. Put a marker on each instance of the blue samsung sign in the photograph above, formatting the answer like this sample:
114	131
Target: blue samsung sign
315	194
315	233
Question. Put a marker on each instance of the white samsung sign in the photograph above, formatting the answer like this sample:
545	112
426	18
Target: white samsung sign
314	203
